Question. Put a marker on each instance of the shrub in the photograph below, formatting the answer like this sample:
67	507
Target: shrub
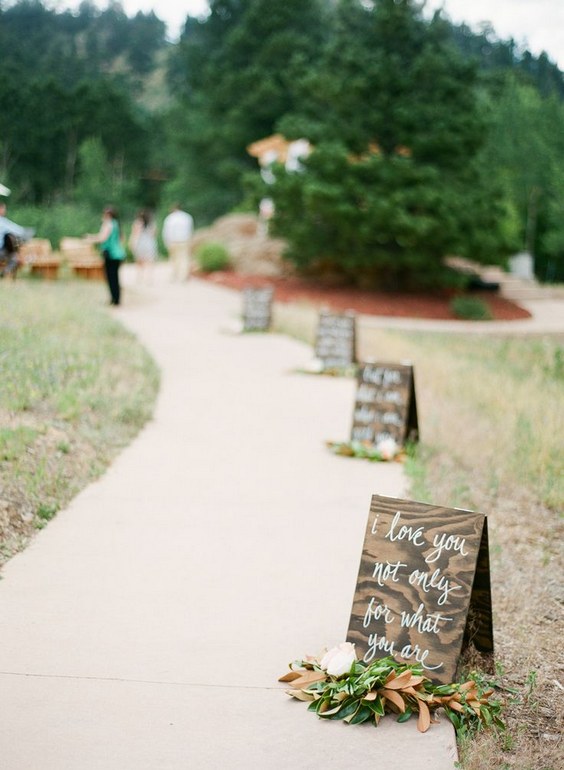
57	221
212	257
471	309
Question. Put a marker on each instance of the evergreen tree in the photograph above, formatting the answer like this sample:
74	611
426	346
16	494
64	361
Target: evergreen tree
400	187
524	150
95	184
234	77
352	73
496	57
54	97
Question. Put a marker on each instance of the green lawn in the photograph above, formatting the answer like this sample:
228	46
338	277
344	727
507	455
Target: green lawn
75	387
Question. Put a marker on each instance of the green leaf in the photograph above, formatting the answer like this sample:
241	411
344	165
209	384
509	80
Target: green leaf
406	715
348	707
363	714
454	718
376	706
443	689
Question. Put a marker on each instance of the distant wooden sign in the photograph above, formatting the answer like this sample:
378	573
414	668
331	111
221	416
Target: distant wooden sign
257	308
335	343
385	405
423	588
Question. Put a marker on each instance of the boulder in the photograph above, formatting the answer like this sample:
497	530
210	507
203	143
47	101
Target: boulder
251	250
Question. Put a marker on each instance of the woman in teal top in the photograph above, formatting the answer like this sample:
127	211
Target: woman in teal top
109	241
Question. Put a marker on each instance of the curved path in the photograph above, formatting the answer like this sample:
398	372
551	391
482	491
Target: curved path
146	626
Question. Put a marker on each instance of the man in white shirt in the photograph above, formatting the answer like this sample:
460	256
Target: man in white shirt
177	233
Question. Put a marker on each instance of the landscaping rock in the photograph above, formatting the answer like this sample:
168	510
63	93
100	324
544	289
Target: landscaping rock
251	250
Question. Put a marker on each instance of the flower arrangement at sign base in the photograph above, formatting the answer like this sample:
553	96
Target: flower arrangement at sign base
338	686
385	450
316	366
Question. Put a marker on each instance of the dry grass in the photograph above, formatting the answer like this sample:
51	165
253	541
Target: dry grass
74	389
491	415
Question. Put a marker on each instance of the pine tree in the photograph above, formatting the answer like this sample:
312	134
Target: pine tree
234	78
400	186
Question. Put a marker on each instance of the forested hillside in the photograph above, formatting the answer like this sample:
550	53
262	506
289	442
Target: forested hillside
98	106
67	78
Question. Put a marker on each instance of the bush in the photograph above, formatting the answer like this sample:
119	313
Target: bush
57	221
212	257
471	309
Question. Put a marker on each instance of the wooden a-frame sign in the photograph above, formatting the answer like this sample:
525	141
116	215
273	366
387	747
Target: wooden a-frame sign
257	308
385	405
423	589
335	342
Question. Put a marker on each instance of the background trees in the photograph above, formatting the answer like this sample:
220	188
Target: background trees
67	78
233	76
429	137
404	186
524	150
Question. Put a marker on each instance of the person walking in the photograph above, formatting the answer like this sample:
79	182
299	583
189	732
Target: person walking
177	233
109	242
143	242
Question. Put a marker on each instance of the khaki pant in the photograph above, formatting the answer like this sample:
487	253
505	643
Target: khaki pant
179	255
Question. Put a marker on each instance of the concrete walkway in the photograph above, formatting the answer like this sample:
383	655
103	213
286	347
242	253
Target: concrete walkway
146	626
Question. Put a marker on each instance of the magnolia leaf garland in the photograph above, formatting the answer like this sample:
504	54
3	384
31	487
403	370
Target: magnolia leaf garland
317	366
366	451
369	691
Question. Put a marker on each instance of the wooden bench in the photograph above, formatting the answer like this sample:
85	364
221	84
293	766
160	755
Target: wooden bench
38	254
83	258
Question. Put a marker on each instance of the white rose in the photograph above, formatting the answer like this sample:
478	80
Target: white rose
338	660
387	448
315	365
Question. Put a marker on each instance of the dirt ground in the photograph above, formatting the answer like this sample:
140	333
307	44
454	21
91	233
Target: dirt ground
433	306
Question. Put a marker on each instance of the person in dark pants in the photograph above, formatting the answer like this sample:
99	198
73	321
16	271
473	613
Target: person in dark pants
109	242
11	235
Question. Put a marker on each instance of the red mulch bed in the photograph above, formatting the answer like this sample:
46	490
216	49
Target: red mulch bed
435	306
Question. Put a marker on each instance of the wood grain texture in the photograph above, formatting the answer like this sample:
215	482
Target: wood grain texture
415	585
479	626
385	405
257	308
335	343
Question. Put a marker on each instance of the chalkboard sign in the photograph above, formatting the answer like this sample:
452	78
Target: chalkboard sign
257	308
423	588
385	405
335	343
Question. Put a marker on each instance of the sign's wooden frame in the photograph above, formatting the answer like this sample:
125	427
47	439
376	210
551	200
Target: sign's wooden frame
385	404
336	339
423	589
257	308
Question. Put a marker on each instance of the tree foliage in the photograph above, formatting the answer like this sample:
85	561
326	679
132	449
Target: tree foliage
400	186
63	82
524	149
234	76
429	137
